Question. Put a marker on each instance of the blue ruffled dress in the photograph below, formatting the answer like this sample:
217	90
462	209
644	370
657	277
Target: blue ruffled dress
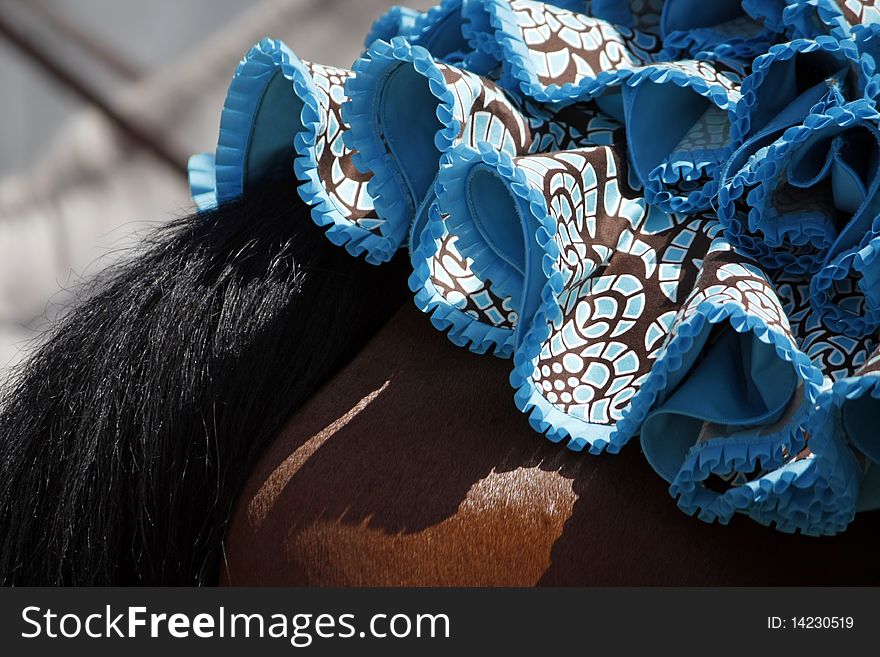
666	213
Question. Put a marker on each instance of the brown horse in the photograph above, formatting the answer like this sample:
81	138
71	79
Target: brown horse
232	357
412	467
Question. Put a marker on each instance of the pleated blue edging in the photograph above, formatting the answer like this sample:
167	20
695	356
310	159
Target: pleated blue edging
861	265
811	18
202	181
849	389
658	181
397	21
868	82
751	452
518	71
724	456
755	238
815	495
243	102
867	38
707	44
390	198
426	28
462	329
533	331
386	186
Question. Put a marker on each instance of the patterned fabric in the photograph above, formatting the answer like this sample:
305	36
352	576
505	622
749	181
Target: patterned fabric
806	200
855	397
553	54
665	212
455	107
808	18
677	158
300	128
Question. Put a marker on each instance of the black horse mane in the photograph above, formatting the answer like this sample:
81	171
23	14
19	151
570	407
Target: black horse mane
127	433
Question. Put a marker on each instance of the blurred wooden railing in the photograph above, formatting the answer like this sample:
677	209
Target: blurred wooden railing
14	21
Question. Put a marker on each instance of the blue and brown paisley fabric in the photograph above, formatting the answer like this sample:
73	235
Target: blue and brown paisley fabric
666	213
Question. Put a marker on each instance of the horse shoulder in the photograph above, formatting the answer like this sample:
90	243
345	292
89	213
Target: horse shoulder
410	467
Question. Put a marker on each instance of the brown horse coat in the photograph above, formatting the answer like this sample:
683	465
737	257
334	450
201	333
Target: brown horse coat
412	467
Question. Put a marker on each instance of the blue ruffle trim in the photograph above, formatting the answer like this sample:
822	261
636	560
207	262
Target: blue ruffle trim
430	27
815	495
836	397
811	18
759	237
861	267
462	329
868	83
673	358
390	196
867	38
397	21
202	181
709	43
724	456
243	101
703	164
518	71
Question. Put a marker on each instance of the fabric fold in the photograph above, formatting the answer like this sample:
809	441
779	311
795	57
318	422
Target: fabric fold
741	29
790	78
454	31
856	398
811	493
282	118
457	301
822	481
812	484
641	15
678	117
732	328
555	55
806	199
407	111
667	212
602	276
442	29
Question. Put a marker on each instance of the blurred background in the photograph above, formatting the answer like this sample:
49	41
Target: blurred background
102	102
